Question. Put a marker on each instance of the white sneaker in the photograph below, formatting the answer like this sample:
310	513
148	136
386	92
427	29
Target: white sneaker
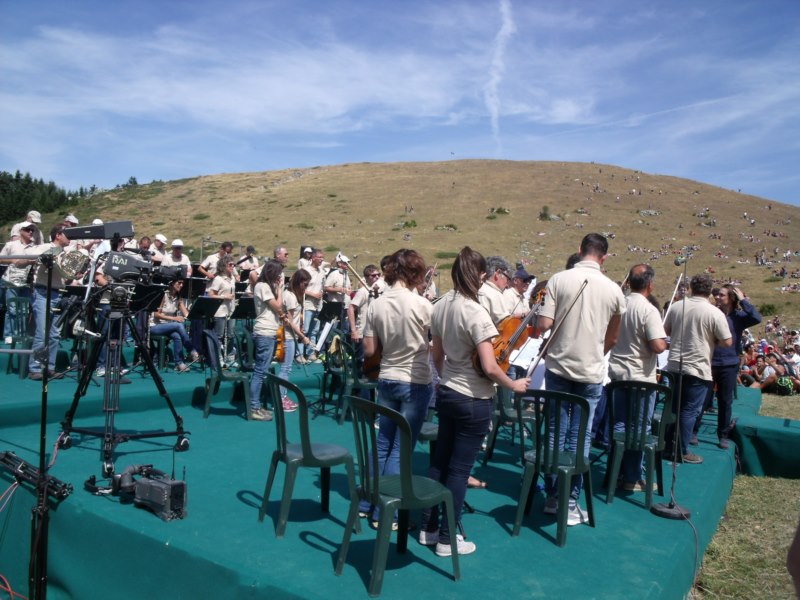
100	372
429	538
8	339
577	516
551	505
463	547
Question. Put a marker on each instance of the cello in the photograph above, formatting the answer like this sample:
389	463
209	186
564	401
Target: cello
513	332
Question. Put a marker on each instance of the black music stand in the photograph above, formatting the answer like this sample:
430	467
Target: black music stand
193	288
245	308
204	307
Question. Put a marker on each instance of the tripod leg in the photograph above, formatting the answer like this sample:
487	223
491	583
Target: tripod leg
83	385
183	443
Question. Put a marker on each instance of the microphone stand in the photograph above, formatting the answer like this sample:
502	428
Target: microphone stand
671	509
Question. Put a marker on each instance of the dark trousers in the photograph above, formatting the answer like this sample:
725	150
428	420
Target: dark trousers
725	380
463	423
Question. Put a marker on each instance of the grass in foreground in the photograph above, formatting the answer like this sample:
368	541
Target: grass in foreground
747	557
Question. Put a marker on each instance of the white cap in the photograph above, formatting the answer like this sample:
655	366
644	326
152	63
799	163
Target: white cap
176	243
342	258
34	216
161	238
24	225
70	218
307	249
97	222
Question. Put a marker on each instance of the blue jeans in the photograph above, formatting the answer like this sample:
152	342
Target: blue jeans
311	325
177	332
693	395
631	460
39	307
463	423
288	360
264	348
410	400
568	440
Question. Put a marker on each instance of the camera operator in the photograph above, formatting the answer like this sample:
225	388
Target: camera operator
58	241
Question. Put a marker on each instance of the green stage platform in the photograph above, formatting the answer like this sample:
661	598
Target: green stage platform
220	550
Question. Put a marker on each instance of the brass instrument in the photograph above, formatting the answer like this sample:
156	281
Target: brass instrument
72	264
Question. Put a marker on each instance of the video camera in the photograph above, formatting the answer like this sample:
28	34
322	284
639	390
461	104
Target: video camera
155	490
123	266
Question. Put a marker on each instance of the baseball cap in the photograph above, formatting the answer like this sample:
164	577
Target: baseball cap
161	238
25	225
307	249
177	243
34	216
97	222
523	275
70	218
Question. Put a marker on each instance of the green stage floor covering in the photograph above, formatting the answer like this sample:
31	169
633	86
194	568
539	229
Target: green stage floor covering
220	550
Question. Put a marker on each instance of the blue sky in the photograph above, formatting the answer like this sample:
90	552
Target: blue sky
95	92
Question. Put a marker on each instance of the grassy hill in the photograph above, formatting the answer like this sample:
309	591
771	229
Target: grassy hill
369	210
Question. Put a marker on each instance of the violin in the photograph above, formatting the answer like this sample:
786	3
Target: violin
280	346
372	364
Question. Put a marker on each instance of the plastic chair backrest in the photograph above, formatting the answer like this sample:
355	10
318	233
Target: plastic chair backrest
364	414
275	383
550	406
21	307
640	396
213	351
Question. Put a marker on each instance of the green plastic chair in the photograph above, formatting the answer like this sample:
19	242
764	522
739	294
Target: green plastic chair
402	493
505	415
343	377
548	459
304	454
219	375
20	339
637	435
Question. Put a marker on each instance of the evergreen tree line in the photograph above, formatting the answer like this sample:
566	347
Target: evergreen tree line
21	193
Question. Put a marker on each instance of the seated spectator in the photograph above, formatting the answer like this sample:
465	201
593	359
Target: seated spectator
168	320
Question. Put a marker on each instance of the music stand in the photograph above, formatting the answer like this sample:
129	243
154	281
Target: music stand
193	288
204	307
244	275
245	308
240	287
145	300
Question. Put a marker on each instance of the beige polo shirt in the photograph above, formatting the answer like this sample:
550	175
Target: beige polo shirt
631	359
515	302
576	352
314	286
360	302
223	286
695	334
267	321
491	298
462	324
337	278
293	308
401	320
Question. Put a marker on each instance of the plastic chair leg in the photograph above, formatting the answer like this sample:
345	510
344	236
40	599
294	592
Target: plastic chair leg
325	488
615	460
487	455
352	521
524	498
381	550
451	517
563	508
211	384
351	484
589	495
402	531
273	466
286	500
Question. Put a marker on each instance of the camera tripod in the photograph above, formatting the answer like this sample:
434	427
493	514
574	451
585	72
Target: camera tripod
119	315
